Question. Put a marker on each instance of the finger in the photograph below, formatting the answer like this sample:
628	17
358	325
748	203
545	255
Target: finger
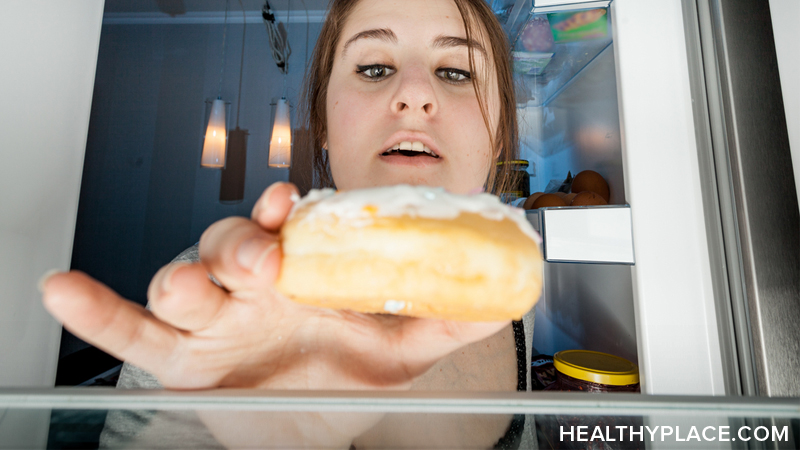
182	295
241	255
272	208
96	314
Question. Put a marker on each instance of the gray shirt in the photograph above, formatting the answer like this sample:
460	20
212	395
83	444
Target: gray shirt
183	429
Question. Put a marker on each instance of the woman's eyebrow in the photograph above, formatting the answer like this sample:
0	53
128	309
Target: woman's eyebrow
441	41
383	34
452	41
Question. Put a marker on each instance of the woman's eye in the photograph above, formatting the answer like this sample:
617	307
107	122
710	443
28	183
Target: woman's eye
454	75
375	72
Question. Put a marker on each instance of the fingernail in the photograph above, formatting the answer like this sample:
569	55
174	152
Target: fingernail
40	284
166	280
253	252
263	201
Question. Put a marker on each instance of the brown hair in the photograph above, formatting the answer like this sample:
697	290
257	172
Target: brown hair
474	13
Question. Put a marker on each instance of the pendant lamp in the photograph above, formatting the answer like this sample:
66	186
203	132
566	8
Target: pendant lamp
216	139
280	146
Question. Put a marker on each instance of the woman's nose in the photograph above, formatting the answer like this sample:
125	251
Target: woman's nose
415	94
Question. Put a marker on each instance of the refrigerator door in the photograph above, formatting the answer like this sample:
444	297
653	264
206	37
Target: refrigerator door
679	342
745	133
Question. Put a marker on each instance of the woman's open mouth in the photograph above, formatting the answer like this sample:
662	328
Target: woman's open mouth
413	149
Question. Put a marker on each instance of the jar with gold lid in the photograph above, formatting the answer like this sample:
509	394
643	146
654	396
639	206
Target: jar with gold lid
594	372
520	182
585	370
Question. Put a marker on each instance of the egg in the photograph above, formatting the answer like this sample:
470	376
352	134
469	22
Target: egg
589	180
529	202
569	197
587	198
548	200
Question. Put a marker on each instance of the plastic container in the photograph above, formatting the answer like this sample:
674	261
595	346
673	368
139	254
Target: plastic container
585	370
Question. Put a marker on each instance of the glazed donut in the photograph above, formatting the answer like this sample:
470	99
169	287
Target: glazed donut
411	250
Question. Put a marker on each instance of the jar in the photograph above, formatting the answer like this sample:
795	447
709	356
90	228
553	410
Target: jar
585	370
588	371
520	185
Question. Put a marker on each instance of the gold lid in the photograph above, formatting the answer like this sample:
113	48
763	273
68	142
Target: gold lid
596	367
515	161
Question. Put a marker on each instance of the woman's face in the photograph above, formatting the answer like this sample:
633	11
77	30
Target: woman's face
401	79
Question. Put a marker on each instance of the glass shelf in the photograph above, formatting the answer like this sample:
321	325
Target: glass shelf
567	62
235	418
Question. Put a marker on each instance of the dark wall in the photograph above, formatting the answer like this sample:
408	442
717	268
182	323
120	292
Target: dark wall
144	197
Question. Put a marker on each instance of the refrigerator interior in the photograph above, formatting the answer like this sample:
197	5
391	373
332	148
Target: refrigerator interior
569	122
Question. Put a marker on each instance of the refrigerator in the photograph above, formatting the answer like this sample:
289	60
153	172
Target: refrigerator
696	275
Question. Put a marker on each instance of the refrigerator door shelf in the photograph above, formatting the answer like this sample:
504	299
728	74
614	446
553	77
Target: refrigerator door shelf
550	6
568	52
594	235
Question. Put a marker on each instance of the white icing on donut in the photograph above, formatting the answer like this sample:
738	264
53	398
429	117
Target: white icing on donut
406	200
394	306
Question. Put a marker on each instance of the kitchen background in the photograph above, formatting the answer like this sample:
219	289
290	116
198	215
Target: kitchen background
144	196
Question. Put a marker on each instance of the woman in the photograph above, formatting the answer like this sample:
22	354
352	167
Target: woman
384	72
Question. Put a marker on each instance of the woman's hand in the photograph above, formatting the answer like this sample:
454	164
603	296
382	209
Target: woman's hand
199	335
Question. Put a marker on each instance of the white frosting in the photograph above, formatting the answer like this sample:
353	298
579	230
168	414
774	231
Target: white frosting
414	201
394	306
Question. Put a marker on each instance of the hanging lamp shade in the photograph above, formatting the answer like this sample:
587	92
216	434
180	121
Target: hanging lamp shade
280	146
216	138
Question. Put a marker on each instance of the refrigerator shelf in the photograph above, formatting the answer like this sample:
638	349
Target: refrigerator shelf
581	234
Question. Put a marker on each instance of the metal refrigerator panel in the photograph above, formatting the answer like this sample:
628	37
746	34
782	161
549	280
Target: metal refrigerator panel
760	212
